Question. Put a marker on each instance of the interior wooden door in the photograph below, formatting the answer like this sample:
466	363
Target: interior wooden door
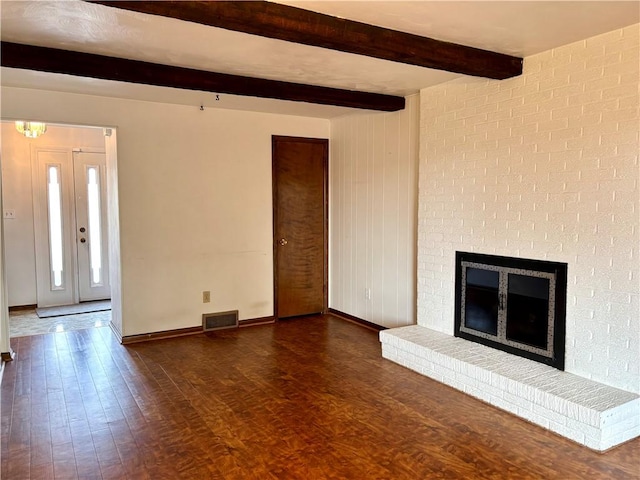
300	225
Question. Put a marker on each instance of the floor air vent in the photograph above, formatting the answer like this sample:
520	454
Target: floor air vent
219	321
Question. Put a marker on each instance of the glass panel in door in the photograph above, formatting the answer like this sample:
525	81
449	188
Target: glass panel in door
528	310
482	300
53	226
54	223
91	222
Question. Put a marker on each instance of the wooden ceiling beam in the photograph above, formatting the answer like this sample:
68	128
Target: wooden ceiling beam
67	62
284	22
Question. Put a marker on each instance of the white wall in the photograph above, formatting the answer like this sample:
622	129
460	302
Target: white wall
17	196
373	204
4	298
113	220
543	166
194	199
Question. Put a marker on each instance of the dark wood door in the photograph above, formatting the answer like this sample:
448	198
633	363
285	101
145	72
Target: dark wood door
299	225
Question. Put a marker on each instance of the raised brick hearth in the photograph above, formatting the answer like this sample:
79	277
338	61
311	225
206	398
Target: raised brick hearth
582	410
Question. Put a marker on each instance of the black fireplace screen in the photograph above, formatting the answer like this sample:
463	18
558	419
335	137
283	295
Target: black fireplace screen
516	305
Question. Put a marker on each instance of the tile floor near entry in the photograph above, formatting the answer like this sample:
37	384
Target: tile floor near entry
23	323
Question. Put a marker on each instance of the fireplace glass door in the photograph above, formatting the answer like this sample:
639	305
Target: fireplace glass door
482	300
512	306
529	314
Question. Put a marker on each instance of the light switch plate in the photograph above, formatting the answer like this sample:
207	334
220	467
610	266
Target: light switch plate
9	214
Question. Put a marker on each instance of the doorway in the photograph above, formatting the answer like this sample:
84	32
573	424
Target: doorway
17	231
300	232
69	198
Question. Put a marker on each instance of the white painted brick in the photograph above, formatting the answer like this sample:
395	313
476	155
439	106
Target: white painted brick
532	417
628	426
523	403
605	209
560	123
613	440
522	91
500	402
626	149
549	415
604	39
586	430
631	52
622	68
603	60
586	76
567	134
599	85
566	66
590	96
620	115
561	429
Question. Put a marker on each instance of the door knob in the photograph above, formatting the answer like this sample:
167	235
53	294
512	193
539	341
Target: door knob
283	241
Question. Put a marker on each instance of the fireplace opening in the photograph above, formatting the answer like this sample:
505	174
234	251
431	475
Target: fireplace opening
513	304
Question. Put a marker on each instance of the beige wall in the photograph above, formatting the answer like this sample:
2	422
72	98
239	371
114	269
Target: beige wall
194	201
543	166
17	196
373	204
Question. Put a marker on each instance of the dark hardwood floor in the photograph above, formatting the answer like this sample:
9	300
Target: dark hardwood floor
309	398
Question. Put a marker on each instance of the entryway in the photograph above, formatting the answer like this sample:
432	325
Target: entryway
70	223
55	227
26	322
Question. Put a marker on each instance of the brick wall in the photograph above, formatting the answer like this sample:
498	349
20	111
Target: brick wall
543	166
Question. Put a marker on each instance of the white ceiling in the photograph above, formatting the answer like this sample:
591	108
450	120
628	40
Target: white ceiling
519	28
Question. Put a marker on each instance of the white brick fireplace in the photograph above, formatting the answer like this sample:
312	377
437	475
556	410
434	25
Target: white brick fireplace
543	166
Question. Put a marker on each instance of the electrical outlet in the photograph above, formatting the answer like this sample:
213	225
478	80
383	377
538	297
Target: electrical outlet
367	294
206	296
9	214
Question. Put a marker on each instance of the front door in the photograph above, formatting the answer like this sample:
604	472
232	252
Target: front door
89	171
70	226
300	225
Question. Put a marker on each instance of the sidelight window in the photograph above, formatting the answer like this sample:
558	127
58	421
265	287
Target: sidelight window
54	204
95	227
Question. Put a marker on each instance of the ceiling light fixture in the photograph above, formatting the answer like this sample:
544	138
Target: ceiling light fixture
31	129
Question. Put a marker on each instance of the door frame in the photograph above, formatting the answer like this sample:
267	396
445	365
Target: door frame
40	227
115	264
104	216
325	214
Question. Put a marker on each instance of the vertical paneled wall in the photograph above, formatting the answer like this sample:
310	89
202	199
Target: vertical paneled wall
372	219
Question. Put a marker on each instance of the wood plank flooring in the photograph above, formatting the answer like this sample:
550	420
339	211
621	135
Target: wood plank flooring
309	398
